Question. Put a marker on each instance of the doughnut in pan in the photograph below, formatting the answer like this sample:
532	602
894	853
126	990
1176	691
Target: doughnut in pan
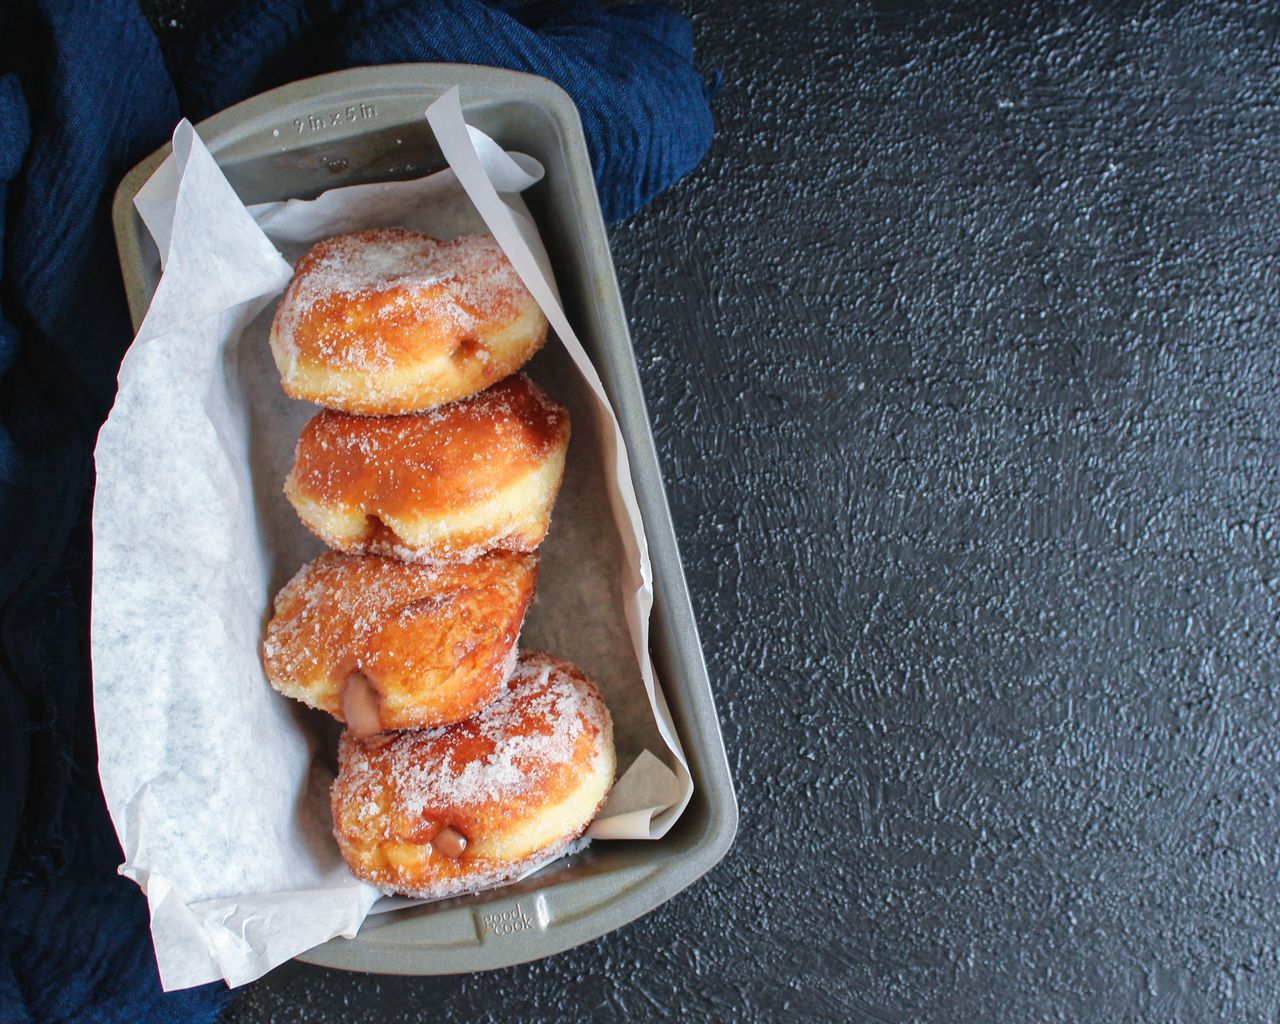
438	812
445	485
391	321
380	644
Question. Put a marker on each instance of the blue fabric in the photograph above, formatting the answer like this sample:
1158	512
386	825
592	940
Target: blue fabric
86	92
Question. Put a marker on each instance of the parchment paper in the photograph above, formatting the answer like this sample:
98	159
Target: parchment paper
217	785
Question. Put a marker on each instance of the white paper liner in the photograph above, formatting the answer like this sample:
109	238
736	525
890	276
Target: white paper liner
218	786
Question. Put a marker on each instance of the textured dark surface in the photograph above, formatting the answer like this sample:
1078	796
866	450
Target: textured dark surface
962	353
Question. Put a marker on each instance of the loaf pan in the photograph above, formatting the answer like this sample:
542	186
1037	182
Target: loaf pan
367	125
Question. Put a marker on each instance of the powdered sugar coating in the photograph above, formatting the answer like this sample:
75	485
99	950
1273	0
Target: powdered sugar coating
443	485
530	758
435	642
390	321
505	751
428	461
457	285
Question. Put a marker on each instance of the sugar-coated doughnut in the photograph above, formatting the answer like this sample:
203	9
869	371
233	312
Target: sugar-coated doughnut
391	321
380	644
438	812
444	485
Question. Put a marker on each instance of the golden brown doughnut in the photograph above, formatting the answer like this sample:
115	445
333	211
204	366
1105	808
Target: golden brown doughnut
444	485
391	321
438	812
380	644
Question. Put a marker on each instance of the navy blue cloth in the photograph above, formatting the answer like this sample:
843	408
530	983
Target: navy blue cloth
86	92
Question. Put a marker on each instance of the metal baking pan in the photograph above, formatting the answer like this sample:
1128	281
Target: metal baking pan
367	125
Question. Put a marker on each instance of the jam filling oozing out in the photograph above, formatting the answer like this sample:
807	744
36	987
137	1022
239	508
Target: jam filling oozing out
450	842
360	705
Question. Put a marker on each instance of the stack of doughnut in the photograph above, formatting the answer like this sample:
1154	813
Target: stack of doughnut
431	473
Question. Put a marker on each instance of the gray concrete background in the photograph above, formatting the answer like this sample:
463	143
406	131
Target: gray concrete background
962	352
